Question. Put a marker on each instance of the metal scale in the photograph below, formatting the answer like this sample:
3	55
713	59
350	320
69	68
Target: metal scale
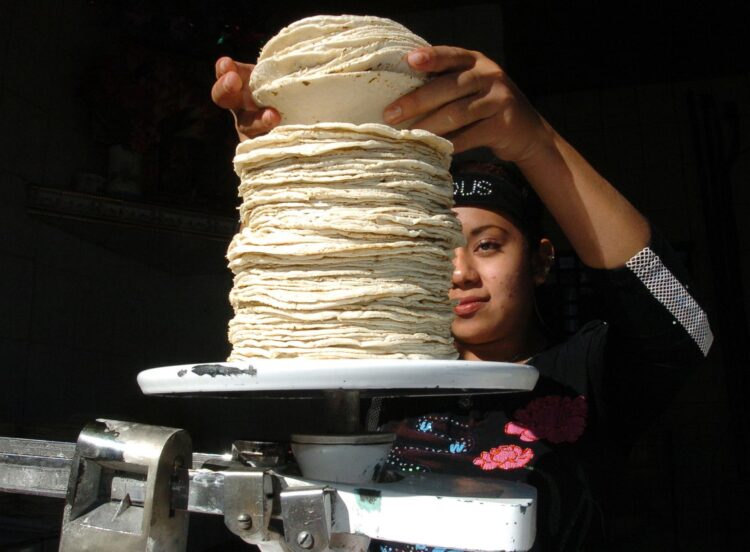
130	487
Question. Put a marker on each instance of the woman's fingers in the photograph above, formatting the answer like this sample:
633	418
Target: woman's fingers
227	91
457	114
232	91
226	64
250	124
436	93
458	80
439	59
472	136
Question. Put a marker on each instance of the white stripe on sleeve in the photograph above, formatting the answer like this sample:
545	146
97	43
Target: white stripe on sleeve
668	290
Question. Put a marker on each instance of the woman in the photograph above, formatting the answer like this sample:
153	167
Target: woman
597	389
583	405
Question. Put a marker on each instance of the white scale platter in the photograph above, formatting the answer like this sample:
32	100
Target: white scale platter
303	378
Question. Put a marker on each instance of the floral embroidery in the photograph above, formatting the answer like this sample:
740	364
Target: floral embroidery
557	419
423	441
504	457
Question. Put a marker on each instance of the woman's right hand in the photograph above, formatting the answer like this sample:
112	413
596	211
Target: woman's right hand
232	91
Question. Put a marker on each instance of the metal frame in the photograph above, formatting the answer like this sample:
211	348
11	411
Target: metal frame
130	487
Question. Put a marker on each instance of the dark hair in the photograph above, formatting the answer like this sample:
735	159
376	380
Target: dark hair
499	186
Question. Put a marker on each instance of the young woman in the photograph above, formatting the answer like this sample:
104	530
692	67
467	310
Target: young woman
597	389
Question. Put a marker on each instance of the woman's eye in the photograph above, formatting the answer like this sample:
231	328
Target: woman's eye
488	246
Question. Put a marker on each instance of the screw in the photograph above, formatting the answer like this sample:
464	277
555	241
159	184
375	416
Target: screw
244	522
305	540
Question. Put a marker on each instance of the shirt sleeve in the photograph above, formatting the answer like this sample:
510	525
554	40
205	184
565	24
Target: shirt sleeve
657	335
650	307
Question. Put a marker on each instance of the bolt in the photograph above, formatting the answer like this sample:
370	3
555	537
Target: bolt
305	540
244	522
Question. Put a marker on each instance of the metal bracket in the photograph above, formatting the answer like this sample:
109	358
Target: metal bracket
247	503
307	514
119	490
259	454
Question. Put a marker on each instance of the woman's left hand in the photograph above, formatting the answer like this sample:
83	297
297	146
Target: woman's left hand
472	102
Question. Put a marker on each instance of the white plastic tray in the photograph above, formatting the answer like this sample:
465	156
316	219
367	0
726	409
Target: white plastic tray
309	378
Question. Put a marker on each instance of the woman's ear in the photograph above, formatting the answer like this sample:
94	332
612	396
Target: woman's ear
542	260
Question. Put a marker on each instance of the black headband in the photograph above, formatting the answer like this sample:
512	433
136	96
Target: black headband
499	193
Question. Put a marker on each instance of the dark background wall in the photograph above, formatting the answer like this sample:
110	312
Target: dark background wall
655	95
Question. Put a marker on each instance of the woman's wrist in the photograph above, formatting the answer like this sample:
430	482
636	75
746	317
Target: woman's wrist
541	151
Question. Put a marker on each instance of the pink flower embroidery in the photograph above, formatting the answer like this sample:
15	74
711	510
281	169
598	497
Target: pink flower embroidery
504	457
557	419
512	428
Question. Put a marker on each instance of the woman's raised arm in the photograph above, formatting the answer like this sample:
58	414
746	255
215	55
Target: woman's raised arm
474	103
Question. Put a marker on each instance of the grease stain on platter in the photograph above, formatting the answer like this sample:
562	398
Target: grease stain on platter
215	370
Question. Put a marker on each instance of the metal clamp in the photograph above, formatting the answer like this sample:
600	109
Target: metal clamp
248	496
119	490
306	512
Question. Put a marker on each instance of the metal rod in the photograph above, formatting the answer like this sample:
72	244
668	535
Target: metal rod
342	412
42	468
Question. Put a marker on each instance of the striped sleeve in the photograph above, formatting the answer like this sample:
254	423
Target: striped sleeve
673	295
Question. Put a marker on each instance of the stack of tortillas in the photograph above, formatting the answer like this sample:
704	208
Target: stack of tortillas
346	242
344	68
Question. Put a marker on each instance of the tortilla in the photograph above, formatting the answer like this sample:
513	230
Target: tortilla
346	244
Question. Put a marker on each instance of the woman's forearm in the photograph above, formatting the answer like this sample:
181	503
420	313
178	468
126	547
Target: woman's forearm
603	227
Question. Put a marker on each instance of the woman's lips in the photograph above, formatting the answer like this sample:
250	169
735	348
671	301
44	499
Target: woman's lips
468	306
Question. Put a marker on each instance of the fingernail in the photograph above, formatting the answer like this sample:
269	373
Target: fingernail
267	118
417	58
224	65
392	113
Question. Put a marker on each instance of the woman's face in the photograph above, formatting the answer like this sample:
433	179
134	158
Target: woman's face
493	280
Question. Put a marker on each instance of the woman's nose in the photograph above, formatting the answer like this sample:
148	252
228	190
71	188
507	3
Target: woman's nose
464	272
